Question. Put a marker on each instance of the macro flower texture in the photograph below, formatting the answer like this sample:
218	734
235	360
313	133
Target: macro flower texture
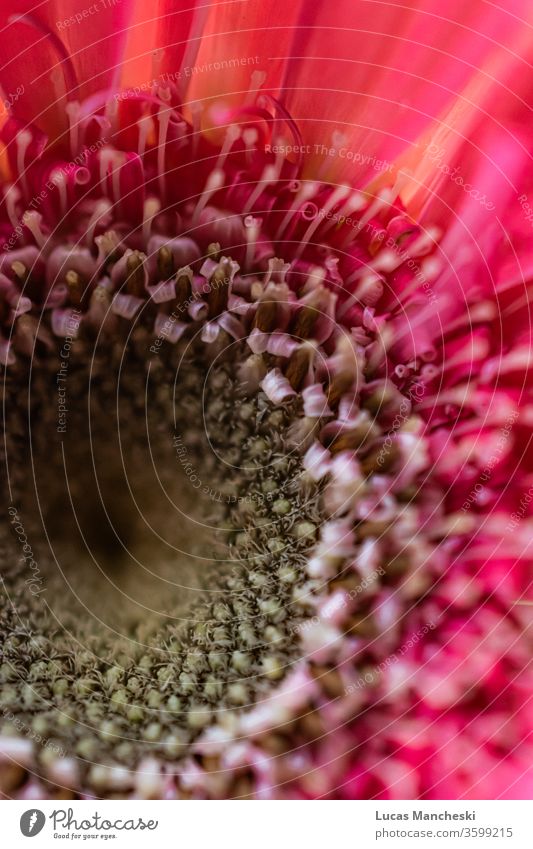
265	355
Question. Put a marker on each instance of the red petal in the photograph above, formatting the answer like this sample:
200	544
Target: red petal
379	73
56	52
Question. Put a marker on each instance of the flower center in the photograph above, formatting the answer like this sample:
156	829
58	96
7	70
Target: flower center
212	458
175	523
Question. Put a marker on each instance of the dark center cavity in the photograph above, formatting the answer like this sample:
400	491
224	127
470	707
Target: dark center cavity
165	521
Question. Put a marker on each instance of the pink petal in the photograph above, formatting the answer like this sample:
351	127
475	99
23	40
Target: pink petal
231	325
169	329
59	51
197	310
315	401
65	323
366	79
162	38
210	331
126	305
162	292
7	358
243	45
276	386
317	461
184	251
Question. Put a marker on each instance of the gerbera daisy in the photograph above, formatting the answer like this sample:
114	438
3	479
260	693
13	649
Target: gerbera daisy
265	345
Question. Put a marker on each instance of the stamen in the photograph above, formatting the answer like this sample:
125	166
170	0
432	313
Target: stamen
73	112
356	201
117	163
257	79
12	195
265	318
196	110
383	199
20	270
232	134
277	271
22	141
306	191
183	288
106	156
214	182
252	231
304	322
219	285
249	137
268	177
135	279
299	366
338	194
32	220
165	263
146	128
75	287
102	210
163	116
58	178
338	140
341	383
108	247
152	207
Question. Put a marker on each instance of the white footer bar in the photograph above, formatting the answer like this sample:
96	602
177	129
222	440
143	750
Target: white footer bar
269	825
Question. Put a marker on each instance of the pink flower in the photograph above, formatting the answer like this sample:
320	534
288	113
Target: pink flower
265	338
